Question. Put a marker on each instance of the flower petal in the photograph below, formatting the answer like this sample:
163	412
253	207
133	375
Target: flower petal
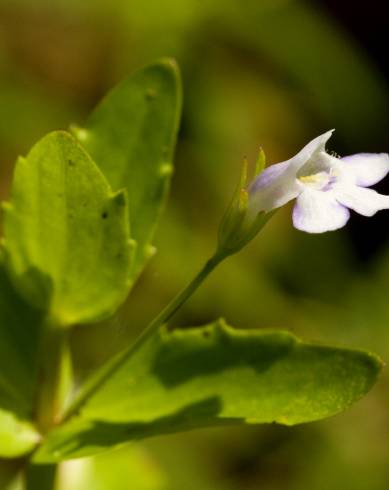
366	168
277	184
317	145
317	212
273	188
364	201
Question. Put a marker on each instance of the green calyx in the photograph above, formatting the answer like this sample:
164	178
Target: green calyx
239	226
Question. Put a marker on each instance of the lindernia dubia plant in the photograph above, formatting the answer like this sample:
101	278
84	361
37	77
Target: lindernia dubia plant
78	232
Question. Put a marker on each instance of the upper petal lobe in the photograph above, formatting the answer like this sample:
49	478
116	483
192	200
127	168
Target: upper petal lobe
366	169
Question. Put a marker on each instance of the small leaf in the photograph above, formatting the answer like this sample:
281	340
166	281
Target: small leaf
131	135
66	235
211	376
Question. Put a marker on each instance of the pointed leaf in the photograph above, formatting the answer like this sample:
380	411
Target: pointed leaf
210	376
66	235
131	136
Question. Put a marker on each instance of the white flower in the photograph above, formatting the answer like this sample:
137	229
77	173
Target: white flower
326	187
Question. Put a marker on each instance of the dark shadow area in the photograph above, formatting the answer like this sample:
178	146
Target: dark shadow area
86	435
215	351
20	332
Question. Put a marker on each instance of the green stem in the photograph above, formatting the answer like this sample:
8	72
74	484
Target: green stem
54	382
165	315
54	376
40	477
179	300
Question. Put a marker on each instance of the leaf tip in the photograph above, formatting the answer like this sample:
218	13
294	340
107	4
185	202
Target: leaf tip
132	244
150	251
170	63
376	363
81	134
120	198
166	169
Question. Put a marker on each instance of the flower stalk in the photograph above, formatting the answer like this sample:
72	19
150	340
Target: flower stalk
237	228
161	319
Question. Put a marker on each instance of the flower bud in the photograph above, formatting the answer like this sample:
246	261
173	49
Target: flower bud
239	225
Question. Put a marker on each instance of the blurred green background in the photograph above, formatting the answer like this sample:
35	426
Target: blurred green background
274	73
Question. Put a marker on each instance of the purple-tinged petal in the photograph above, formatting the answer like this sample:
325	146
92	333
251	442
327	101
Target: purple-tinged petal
273	188
277	184
268	176
366	169
364	201
317	212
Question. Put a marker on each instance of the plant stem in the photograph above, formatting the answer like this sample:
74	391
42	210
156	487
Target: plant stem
40	477
54	376
54	381
179	300
165	315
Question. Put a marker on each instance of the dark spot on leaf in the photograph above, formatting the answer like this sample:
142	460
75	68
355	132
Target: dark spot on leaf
104	214
206	334
71	163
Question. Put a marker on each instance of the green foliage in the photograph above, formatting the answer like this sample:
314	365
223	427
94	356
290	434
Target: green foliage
66	234
68	258
67	245
211	376
131	136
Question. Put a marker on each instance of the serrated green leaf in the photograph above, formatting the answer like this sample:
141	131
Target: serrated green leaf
131	135
210	376
66	235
